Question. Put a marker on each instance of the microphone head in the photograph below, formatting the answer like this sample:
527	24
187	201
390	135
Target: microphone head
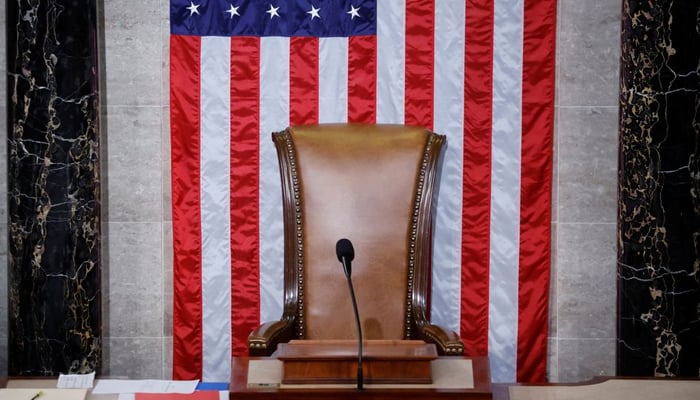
345	253
344	249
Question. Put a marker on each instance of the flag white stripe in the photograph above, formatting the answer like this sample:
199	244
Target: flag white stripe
333	80
505	190
214	202
274	116
391	16
448	120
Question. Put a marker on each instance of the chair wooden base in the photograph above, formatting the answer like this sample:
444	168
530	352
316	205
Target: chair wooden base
332	361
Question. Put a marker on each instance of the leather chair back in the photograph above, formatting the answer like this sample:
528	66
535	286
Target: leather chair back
371	184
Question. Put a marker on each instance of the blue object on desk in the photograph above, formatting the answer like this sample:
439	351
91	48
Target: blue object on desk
212	386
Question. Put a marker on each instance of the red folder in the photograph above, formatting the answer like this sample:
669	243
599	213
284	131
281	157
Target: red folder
197	395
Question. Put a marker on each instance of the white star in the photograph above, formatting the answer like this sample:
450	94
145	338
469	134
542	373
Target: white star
193	8
354	12
314	12
233	11
273	11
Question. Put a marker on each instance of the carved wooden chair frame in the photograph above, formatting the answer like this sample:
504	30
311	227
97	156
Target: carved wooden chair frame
263	341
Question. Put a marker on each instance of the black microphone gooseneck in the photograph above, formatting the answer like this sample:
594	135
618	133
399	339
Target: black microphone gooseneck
346	253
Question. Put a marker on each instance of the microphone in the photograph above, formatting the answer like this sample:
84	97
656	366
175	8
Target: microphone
346	253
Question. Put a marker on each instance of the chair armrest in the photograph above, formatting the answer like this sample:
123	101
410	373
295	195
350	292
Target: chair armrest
447	341
263	340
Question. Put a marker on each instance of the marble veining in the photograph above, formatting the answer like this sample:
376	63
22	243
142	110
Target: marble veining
53	188
659	190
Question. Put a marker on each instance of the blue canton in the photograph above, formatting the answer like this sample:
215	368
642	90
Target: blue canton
286	18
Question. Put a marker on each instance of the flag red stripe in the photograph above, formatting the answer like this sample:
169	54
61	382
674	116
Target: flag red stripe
476	199
303	80
535	192
185	158
245	161
420	50
362	79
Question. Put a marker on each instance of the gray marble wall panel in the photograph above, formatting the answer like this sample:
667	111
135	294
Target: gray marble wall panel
137	309
585	191
588	52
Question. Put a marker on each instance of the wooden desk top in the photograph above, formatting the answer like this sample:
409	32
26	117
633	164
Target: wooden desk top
603	388
614	389
239	389
44	382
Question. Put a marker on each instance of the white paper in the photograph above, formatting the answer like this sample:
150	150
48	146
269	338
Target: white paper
75	381
116	386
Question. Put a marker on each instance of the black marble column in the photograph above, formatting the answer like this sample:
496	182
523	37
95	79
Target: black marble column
659	189
53	187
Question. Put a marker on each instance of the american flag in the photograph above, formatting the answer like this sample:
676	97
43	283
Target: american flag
480	72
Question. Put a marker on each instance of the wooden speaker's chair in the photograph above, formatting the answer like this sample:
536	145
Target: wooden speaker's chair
372	184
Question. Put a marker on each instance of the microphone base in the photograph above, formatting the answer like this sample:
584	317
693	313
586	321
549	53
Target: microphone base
360	378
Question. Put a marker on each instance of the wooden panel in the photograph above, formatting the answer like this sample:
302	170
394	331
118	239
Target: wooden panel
239	389
336	361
